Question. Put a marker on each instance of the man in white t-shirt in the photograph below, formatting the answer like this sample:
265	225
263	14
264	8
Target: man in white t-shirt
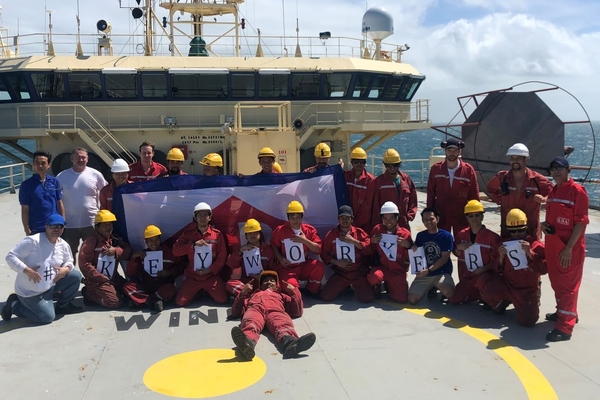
81	187
44	267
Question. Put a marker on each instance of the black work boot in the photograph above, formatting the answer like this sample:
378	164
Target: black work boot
70	308
292	346
7	309
432	293
557	336
554	317
244	345
501	309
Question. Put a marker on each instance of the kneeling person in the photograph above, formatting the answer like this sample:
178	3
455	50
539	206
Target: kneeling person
99	259
44	266
438	245
152	272
273	307
347	272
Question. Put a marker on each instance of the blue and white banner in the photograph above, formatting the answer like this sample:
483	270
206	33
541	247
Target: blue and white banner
169	203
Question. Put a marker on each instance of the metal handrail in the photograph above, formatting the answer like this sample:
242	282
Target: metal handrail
13	183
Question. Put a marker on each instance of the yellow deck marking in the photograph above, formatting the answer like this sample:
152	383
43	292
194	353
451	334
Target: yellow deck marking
535	383
203	373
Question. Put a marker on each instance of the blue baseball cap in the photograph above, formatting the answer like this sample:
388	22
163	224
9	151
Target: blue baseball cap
560	161
56	219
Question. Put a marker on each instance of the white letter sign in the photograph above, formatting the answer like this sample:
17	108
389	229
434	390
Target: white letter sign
294	252
473	258
106	265
252	262
203	257
418	262
516	255
389	245
153	262
345	251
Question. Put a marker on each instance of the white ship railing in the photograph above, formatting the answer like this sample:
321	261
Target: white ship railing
11	177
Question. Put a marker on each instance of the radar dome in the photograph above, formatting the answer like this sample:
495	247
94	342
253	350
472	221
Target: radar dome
377	23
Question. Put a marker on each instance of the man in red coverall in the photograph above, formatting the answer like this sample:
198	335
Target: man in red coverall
99	260
357	182
477	272
515	283
236	261
566	219
155	285
292	270
520	188
395	186
271	305
452	183
392	272
120	172
199	276
347	272
146	168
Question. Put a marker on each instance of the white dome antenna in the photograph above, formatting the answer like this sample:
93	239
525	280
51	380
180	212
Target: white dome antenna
377	24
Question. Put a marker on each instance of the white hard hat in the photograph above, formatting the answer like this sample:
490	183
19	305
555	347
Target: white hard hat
518	149
202	206
389	208
119	165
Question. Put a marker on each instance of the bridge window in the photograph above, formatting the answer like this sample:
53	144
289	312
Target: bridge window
305	85
18	87
200	85
379	83
392	92
242	85
361	85
121	86
410	88
84	86
4	95
49	86
336	85
273	85
154	86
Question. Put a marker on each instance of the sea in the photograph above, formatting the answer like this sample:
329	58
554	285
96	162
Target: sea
418	145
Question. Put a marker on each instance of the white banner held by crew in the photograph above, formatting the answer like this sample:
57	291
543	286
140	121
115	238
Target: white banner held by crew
106	265
294	252
516	255
153	262
344	251
252	261
418	262
47	272
389	245
203	257
473	257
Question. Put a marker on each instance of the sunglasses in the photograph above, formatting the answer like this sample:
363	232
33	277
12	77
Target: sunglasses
57	226
473	215
392	165
358	161
557	168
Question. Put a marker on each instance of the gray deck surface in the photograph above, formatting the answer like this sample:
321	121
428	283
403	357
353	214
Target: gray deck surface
381	350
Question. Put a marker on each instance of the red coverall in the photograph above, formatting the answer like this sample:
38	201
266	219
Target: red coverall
566	206
235	262
143	286
311	270
106	196
392	272
358	194
521	287
468	287
450	201
355	274
194	281
137	173
534	183
384	189
270	308
98	287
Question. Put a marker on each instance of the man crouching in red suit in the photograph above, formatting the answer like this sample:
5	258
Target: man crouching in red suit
273	306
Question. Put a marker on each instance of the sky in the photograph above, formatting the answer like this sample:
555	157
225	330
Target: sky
461	46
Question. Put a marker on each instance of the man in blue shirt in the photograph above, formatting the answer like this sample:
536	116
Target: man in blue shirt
438	245
40	196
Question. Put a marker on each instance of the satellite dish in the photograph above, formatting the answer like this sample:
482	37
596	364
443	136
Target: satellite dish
103	26
377	23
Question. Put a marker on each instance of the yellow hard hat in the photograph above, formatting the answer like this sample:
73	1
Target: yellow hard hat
473	206
358	154
295	207
212	160
516	219
391	156
175	154
266	152
104	216
151	231
252	225
322	150
277	167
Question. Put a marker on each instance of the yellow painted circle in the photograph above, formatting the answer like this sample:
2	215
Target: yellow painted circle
203	373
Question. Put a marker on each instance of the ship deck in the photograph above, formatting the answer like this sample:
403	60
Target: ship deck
382	350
